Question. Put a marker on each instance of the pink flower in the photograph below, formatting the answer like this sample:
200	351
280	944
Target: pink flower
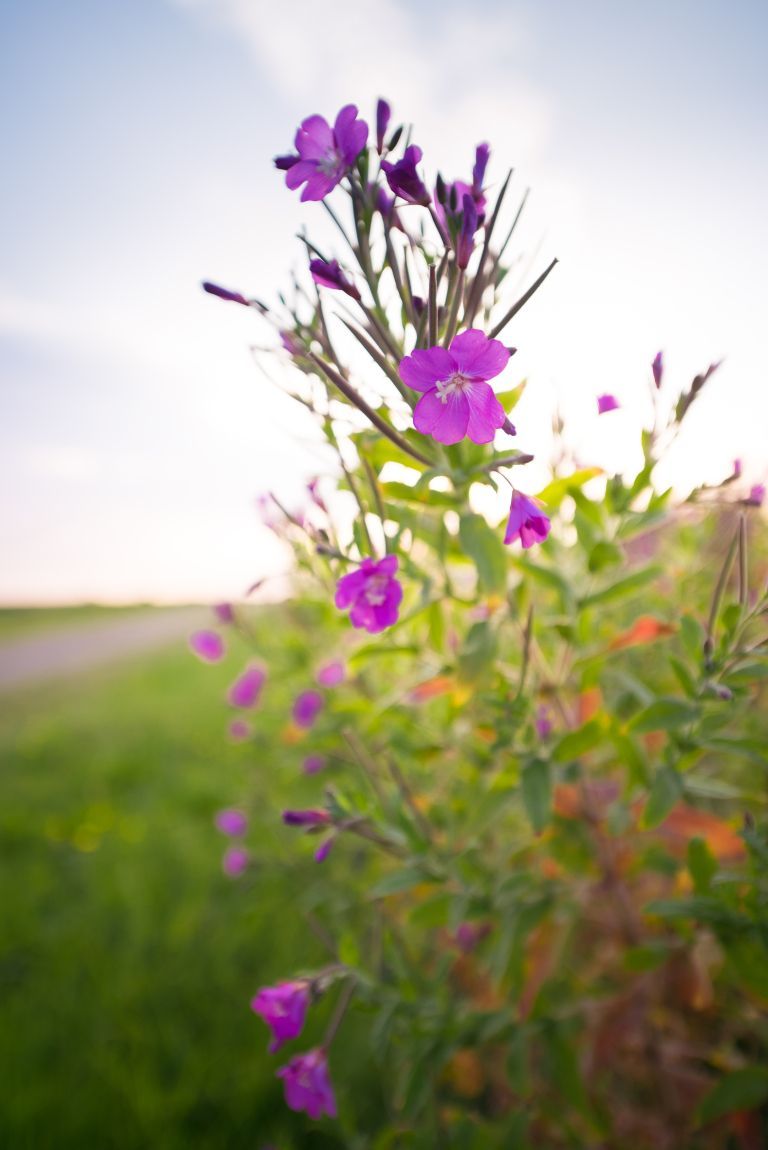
207	645
307	1084
527	522
322	852
307	707
331	674
312	818
313	764
373	593
657	367
231	822
383	113
239	730
225	293
224	612
606	403
283	1008
246	689
457	399
543	722
325	154
235	861
756	495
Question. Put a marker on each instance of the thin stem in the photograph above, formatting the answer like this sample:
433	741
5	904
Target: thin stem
521	302
374	485
378	358
718	594
385	428
458	291
359	502
407	793
432	305
476	290
341	1009
743	576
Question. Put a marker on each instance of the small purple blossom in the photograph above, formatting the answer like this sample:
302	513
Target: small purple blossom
285	163
328	274
290	343
246	689
207	645
224	612
235	861
373	593
313	764
465	241
231	822
308	1085
527	522
482	155
543	722
284	1009
325	154
322	852
657	367
469	934
225	293
331	674
239	730
307	707
606	403
313	487
307	818
736	469
383	114
404	180
457	399
756	495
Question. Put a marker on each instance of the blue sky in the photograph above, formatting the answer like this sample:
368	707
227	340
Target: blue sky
135	430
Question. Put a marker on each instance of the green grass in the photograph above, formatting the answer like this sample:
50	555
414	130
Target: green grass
127	959
17	622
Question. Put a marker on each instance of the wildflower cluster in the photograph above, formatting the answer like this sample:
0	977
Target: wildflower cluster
496	789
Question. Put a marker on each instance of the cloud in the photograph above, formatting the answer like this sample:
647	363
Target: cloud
450	72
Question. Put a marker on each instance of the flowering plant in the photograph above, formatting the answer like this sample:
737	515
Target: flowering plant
532	747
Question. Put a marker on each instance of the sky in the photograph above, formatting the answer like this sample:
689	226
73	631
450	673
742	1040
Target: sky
135	428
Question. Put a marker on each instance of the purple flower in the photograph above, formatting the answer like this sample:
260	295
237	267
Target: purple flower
231	822
527	522
313	764
207	645
322	852
543	722
239	730
283	1008
331	674
482	155
465	241
606	403
404	180
756	495
235	861
307	1084
468	934
329	274
307	707
313	487
326	154
373	593
246	689
224	612
225	293
736	469
457	400
285	163
307	818
657	367
383	113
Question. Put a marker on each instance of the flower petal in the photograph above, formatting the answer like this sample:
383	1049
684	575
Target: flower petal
314	139
486	415
422	369
445	422
477	355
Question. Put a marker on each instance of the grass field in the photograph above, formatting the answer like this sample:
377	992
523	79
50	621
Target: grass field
127	959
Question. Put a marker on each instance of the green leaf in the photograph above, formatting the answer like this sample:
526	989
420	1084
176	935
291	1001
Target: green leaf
665	715
604	554
509	399
745	1089
665	792
478	652
702	865
692	635
536	788
398	880
553	494
577	743
485	548
621	588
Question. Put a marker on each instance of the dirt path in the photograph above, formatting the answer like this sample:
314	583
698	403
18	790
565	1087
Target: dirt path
70	649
